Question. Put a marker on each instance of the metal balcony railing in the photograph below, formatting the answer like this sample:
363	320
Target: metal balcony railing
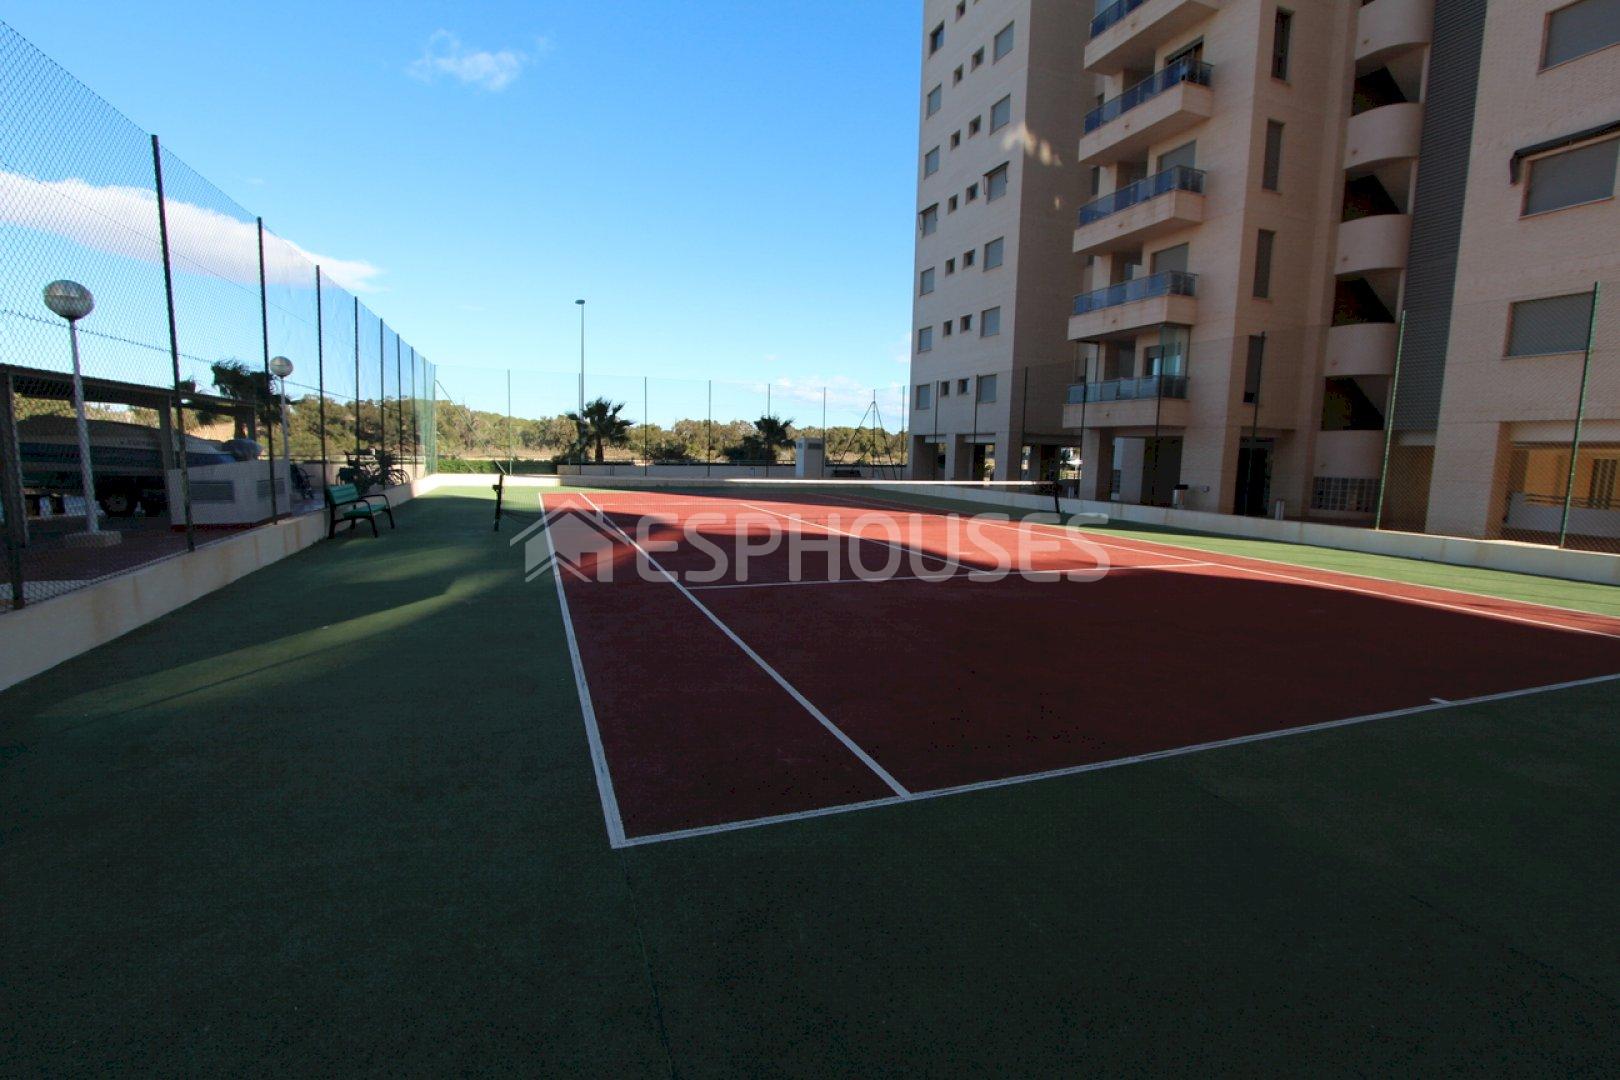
1178	178
1164	283
1193	71
1111	14
1146	388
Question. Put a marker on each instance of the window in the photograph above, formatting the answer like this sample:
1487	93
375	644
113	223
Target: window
1001	113
925	339
1580	28
949	326
931	162
1170	258
967	259
992	253
1582	175
978	59
956	76
973	127
1003	43
967	323
995	183
925	397
971	193
1251	371
961	386
990	322
1185	155
930	220
926	284
987	389
1262	263
936	98
956	138
1271	174
950	267
936	39
950	205
945	389
1553	324
961	9
1282	29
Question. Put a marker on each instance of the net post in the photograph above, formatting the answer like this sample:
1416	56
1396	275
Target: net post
1580	413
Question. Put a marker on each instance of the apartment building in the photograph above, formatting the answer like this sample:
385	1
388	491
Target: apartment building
1001	106
1269	186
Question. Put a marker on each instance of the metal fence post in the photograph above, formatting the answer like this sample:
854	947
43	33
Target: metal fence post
11	497
399	396
320	373
1580	414
708	434
356	376
646	429
416	414
382	398
174	346
264	327
1389	423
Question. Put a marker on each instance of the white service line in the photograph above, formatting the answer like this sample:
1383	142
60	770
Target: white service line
793	691
1097	766
1214	559
593	734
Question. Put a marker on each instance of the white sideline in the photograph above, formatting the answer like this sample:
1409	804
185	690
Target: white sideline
1212	559
1436	705
793	691
593	734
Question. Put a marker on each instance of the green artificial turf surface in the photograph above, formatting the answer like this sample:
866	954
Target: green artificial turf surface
340	817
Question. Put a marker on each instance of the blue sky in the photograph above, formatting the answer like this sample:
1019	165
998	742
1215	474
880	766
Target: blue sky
730	184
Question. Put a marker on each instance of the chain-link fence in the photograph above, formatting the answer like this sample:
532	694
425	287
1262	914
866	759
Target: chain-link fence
529	421
192	374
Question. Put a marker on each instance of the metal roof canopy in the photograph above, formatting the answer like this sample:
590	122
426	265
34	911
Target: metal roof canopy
58	386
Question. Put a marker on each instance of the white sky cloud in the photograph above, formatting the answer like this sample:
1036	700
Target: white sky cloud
445	54
123	221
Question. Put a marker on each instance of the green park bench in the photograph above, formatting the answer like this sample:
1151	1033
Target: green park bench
345	503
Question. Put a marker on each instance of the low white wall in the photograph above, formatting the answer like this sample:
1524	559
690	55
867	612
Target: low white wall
1504	555
47	632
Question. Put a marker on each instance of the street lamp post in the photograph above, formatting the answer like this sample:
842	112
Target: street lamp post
281	367
73	301
581	304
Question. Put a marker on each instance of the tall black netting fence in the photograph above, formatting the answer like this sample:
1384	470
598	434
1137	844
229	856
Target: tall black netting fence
187	377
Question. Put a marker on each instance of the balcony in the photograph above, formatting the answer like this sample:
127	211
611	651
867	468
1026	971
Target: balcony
1149	386
1387	133
1161	203
1362	349
1165	297
1151	401
1128	33
1373	243
1159	107
1387	27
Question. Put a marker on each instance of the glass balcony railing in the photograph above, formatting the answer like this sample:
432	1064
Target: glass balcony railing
1146	388
1178	178
1164	283
1182	71
1111	14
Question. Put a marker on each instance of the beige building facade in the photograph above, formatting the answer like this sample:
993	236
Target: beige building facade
1254	194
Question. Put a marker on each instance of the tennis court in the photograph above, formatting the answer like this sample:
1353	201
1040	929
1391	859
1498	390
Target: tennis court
752	654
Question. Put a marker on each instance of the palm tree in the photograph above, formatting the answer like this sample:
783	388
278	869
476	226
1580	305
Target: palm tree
772	435
239	382
601	426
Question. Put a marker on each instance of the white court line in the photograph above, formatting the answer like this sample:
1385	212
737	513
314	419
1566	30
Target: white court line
593	735
1214	559
793	691
1098	766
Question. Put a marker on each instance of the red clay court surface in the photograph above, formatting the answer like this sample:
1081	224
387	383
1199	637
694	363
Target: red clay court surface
719	704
